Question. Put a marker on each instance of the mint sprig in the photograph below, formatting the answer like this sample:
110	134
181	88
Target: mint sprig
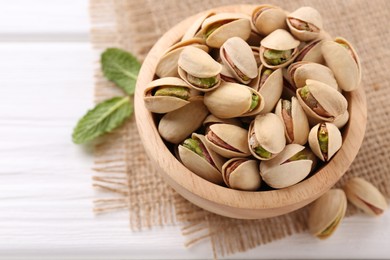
122	68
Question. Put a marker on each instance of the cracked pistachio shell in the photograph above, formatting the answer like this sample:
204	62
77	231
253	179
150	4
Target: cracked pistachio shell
232	100
227	75
231	135
301	71
279	40
165	104
177	125
199	165
365	196
308	15
326	213
196	26
167	65
298	120
268	132
233	24
334	141
280	173
272	88
345	64
268	18
200	64
332	101
238	57
312	52
341	120
245	176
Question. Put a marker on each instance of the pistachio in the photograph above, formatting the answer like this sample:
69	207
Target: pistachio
197	157
268	18
211	119
241	174
326	213
275	57
365	196
312	52
325	140
305	23
289	167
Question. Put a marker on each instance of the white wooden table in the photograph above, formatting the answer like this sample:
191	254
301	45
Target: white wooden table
46	84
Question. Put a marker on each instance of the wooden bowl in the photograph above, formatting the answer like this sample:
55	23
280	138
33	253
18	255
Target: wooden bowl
229	202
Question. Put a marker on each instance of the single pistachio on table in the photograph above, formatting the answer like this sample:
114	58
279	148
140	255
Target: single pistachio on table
238	57
289	167
326	213
343	60
175	126
196	26
198	158
228	140
218	28
167	94
167	65
211	119
312	52
296	125
325	140
241	174
266	136
269	83
301	71
365	196
233	100
199	69
268	18
278	49
321	102
305	23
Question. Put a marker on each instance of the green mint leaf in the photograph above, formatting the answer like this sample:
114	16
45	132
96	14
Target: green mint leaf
103	118
121	67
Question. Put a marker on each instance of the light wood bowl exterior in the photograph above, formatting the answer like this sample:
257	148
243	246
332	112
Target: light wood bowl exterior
229	202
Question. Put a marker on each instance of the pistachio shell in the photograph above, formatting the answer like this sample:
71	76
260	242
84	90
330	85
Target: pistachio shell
280	173
299	120
308	15
195	62
326	213
232	135
312	52
227	75
175	126
238	57
334	141
271	89
211	119
167	65
268	18
365	196
164	104
341	120
199	165
195	27
268	133
303	70
232	100
256	53
236	25
332	101
245	177
346	68
279	40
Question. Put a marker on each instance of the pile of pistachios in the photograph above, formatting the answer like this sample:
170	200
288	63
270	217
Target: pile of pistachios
252	102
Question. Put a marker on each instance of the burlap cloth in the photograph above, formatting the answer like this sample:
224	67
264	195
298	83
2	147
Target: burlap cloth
123	168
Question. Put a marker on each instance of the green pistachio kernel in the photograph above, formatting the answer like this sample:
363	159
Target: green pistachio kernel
193	145
330	229
178	92
262	152
255	102
275	57
202	82
305	92
323	138
299	156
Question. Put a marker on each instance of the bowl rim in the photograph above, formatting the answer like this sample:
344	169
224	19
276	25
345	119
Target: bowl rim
179	176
